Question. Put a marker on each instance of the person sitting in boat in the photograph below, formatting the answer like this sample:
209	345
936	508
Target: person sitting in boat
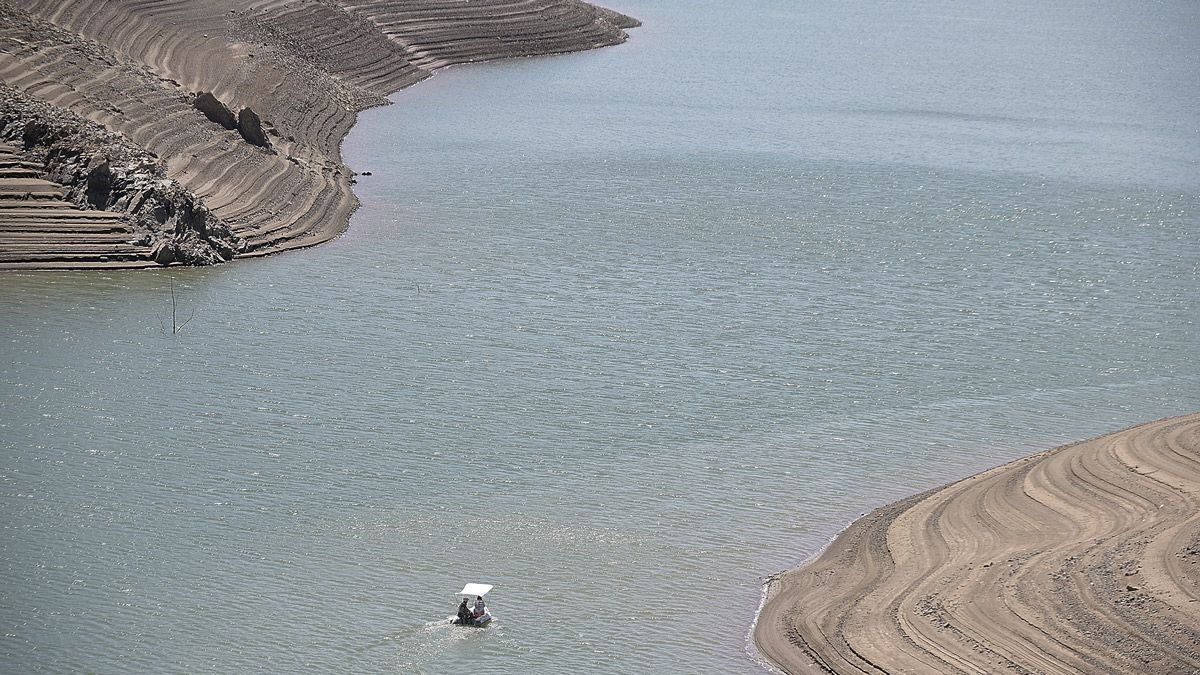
480	608
464	613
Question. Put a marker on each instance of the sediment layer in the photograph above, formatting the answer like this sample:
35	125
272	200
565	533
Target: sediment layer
299	70
31	209
1083	559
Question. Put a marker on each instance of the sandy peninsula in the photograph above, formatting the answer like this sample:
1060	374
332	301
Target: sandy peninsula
1082	559
138	133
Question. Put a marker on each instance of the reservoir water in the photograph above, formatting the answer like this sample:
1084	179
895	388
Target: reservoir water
620	332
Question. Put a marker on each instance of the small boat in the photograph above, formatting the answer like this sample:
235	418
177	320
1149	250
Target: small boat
480	616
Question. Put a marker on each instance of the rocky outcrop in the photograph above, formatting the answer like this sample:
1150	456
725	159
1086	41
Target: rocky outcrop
99	181
34	211
214	110
250	127
247	122
101	171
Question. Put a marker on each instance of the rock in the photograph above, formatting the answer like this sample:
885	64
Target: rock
99	169
163	253
250	127
223	249
214	110
99	182
191	250
161	212
33	133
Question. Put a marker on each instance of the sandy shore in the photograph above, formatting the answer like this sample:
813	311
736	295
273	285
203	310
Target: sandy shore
103	96
1082	559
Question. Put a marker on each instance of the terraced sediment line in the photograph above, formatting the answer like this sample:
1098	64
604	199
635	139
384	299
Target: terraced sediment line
305	67
444	32
1085	558
31	207
73	170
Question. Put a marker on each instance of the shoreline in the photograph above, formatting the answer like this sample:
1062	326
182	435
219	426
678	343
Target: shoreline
206	131
1081	558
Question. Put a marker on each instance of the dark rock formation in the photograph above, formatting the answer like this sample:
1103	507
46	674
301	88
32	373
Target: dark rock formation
214	110
163	252
32	132
99	181
250	127
247	122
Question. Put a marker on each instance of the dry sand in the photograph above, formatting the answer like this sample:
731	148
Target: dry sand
304	67
1082	559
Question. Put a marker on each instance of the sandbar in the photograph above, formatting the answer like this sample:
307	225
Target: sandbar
1081	559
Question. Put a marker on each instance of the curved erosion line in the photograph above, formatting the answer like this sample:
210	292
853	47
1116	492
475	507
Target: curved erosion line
127	76
1126	518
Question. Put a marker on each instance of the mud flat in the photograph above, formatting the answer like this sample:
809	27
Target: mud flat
1082	559
212	128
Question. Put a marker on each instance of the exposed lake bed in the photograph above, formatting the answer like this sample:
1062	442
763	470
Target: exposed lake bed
622	333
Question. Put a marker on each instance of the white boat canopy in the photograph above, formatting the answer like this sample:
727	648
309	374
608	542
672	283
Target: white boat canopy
475	589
